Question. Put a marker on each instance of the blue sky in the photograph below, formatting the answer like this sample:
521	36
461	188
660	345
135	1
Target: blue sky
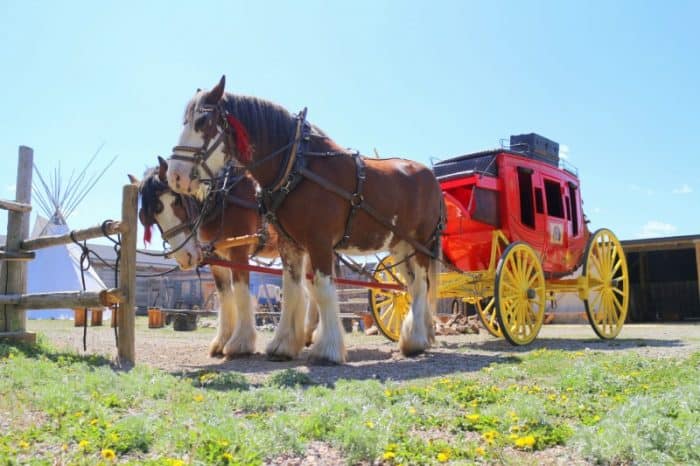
616	83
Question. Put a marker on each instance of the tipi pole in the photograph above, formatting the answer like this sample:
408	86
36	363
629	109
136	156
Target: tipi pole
13	277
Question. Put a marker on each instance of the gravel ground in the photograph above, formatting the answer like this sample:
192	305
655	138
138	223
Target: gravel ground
369	357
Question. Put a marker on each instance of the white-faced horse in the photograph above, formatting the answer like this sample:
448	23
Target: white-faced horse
320	198
177	216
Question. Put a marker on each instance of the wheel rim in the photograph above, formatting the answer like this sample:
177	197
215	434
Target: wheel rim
487	313
607	299
389	307
520	294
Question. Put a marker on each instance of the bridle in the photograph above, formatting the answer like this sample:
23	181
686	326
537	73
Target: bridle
198	156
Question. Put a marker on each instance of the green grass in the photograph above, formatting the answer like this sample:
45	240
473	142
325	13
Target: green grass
607	408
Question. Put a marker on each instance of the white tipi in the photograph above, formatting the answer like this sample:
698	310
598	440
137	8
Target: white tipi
58	268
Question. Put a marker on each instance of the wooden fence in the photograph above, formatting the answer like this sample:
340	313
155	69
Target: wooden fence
14	300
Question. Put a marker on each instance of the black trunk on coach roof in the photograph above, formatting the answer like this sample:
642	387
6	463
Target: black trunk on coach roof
536	147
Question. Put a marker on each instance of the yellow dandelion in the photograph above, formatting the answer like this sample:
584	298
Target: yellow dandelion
513	436
114	437
552	397
473	417
596	418
569	389
489	436
525	442
388	455
411	410
64	447
94	422
387	392
23	445
480	451
199	398
442	457
78	414
564	397
514	419
83	444
174	462
474	403
228	457
108	454
369	424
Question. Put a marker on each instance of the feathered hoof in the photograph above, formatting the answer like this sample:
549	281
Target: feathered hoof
412	349
216	348
237	347
320	361
278	357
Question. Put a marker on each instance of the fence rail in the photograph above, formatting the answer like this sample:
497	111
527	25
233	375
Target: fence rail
14	300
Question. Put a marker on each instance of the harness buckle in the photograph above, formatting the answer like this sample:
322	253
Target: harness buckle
356	200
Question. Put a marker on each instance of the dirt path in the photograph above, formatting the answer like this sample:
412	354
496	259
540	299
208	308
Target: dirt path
370	357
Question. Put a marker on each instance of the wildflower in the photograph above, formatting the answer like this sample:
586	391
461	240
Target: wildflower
489	436
64	447
83	444
388	455
199	398
525	442
94	422
223	443
370	424
480	451
114	437
228	457
474	403
411	410
174	462
78	414
596	418
473	417
23	445
552	397
442	457
108	454
387	393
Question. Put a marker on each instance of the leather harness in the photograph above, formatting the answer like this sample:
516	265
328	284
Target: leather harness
294	170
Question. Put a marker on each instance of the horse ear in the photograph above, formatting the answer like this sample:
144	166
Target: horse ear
133	179
215	95
162	169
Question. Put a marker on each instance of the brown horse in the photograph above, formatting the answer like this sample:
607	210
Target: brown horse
320	198
176	217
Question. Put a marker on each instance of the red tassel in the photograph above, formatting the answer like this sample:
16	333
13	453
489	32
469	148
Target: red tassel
147	235
242	141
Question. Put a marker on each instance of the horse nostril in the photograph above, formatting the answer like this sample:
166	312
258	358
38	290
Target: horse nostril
177	177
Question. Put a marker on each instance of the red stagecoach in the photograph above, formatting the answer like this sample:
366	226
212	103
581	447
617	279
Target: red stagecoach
516	236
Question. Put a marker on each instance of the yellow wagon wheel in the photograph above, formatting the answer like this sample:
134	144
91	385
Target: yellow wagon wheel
520	294
608	291
389	307
487	313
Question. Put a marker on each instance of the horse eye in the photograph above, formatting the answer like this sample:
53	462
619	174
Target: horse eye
199	123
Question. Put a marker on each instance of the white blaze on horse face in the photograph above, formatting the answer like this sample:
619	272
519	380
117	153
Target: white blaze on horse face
190	254
180	172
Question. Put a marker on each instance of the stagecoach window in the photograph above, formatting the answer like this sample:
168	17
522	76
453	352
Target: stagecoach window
539	202
555	206
484	207
527	207
574	208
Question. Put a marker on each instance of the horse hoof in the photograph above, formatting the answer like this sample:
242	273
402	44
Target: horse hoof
231	357
317	361
278	357
413	352
216	354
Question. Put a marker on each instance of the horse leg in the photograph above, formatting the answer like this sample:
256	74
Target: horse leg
311	322
227	311
288	340
242	341
329	345
417	330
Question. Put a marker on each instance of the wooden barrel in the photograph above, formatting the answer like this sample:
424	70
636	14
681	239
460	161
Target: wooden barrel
155	317
96	317
79	317
115	310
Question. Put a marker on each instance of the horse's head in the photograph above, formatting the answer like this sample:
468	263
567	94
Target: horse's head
200	153
162	207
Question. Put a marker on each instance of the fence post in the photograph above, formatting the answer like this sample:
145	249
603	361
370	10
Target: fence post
13	277
127	276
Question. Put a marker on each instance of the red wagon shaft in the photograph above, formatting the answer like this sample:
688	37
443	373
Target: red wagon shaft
278	272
